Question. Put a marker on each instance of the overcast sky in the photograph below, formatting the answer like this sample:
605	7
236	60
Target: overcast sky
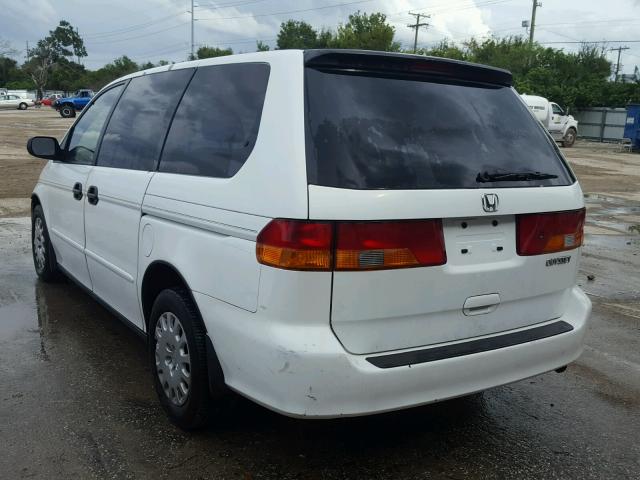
160	29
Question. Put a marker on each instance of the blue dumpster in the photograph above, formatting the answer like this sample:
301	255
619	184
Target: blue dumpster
632	125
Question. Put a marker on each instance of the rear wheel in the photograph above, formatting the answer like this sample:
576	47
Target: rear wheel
44	258
570	138
22	106
67	111
177	356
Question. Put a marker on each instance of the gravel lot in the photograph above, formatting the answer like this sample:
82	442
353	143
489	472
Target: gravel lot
77	399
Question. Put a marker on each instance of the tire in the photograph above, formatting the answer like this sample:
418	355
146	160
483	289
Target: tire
44	257
176	328
22	106
67	111
569	138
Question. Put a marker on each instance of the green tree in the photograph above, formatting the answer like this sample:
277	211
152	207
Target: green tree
65	75
261	46
12	76
210	52
296	34
444	49
367	32
99	78
62	42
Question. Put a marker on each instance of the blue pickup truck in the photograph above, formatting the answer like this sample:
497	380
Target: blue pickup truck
68	106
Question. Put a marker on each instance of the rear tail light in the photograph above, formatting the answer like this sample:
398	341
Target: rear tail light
303	245
295	245
539	233
379	245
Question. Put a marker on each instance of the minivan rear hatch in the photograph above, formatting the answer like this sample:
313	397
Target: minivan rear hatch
408	155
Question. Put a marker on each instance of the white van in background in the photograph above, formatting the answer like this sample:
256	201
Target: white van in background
562	126
329	233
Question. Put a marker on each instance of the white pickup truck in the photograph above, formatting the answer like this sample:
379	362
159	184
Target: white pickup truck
562	127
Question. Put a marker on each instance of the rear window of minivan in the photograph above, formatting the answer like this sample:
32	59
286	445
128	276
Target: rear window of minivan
375	131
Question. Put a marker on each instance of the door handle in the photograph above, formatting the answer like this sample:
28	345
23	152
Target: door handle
481	304
77	191
92	195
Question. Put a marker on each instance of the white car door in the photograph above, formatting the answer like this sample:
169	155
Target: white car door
4	102
557	118
127	160
64	186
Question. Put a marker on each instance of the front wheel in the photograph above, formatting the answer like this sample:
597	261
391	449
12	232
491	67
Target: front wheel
67	111
44	258
22	106
569	138
177	356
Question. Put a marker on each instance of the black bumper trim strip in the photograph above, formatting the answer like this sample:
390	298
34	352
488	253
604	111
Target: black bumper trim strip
468	348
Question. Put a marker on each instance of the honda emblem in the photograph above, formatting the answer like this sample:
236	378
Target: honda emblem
490	202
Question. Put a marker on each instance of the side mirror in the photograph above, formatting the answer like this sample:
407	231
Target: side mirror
44	147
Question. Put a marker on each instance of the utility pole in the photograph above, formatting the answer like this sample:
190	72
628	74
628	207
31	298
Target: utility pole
192	56
532	27
416	26
28	58
619	49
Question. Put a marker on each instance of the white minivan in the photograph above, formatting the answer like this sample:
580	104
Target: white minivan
328	233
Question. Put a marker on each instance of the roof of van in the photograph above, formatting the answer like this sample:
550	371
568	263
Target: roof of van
369	60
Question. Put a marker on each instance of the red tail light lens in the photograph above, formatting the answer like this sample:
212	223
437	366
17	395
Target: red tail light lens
539	233
381	245
296	245
303	245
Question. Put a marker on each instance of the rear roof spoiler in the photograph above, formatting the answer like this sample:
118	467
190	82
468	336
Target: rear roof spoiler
366	61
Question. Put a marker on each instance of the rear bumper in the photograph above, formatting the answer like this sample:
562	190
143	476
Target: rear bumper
305	372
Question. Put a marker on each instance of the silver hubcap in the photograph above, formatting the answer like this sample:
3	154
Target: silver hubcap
173	364
39	244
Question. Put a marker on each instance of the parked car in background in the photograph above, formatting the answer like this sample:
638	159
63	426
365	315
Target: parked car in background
48	101
327	232
562	126
68	106
14	101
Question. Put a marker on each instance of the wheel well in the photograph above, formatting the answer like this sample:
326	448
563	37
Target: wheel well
159	276
34	202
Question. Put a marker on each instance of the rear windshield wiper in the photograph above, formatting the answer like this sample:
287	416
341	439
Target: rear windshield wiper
485	177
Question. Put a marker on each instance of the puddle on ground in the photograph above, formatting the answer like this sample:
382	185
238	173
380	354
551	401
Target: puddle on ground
618	242
16	317
609	213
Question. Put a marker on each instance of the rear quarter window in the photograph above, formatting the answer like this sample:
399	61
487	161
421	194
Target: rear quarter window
373	131
216	125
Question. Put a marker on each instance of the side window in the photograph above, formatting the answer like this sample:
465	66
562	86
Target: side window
556	109
137	128
216	124
81	147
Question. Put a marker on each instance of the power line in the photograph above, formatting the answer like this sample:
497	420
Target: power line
286	12
139	36
592	41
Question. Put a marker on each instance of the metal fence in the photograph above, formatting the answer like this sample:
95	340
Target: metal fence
601	123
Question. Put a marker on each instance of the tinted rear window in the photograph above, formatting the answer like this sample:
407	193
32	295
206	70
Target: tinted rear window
216	125
373	132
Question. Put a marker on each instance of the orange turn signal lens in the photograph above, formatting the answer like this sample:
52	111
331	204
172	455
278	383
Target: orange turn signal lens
295	245
540	233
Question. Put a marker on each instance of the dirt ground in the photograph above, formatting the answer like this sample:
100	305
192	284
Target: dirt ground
18	170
